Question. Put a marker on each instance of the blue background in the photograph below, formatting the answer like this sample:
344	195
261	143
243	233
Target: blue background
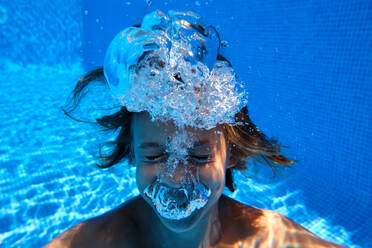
307	66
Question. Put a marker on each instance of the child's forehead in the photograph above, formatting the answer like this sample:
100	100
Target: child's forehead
158	131
142	121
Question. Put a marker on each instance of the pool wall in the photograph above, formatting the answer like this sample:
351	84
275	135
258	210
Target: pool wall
307	66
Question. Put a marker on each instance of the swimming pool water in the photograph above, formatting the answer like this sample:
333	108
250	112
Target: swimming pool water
48	181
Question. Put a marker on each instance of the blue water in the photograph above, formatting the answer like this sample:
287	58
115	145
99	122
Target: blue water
307	66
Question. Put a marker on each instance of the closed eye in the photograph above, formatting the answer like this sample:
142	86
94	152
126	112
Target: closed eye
154	158
201	158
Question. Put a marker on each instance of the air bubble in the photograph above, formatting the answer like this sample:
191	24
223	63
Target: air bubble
204	92
224	43
177	203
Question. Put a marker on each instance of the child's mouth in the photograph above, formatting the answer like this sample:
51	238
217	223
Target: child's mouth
177	203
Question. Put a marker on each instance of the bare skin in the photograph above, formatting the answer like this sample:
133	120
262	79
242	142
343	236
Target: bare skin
132	225
222	222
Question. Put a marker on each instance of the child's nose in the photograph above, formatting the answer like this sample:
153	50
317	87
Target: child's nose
176	176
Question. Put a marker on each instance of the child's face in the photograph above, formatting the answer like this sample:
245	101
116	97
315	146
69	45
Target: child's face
180	173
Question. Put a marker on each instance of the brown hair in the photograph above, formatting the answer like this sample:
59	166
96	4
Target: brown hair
245	140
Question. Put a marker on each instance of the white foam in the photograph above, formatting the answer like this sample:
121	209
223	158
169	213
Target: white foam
178	76
177	203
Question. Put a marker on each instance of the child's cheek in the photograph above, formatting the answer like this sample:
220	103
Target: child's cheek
213	177
145	175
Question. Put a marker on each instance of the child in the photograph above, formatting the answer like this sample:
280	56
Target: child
184	124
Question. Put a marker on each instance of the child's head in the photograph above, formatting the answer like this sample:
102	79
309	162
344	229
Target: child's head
186	163
179	172
184	123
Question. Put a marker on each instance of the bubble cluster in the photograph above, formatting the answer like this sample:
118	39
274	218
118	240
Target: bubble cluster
169	68
177	148
177	203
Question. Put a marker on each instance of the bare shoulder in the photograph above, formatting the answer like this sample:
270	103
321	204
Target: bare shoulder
239	222
293	234
247	226
112	229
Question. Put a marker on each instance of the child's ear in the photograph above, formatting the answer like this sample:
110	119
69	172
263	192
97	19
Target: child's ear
232	160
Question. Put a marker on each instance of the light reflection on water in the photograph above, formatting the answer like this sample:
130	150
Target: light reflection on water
48	180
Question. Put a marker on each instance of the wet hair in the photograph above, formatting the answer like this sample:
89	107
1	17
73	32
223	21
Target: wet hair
245	140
